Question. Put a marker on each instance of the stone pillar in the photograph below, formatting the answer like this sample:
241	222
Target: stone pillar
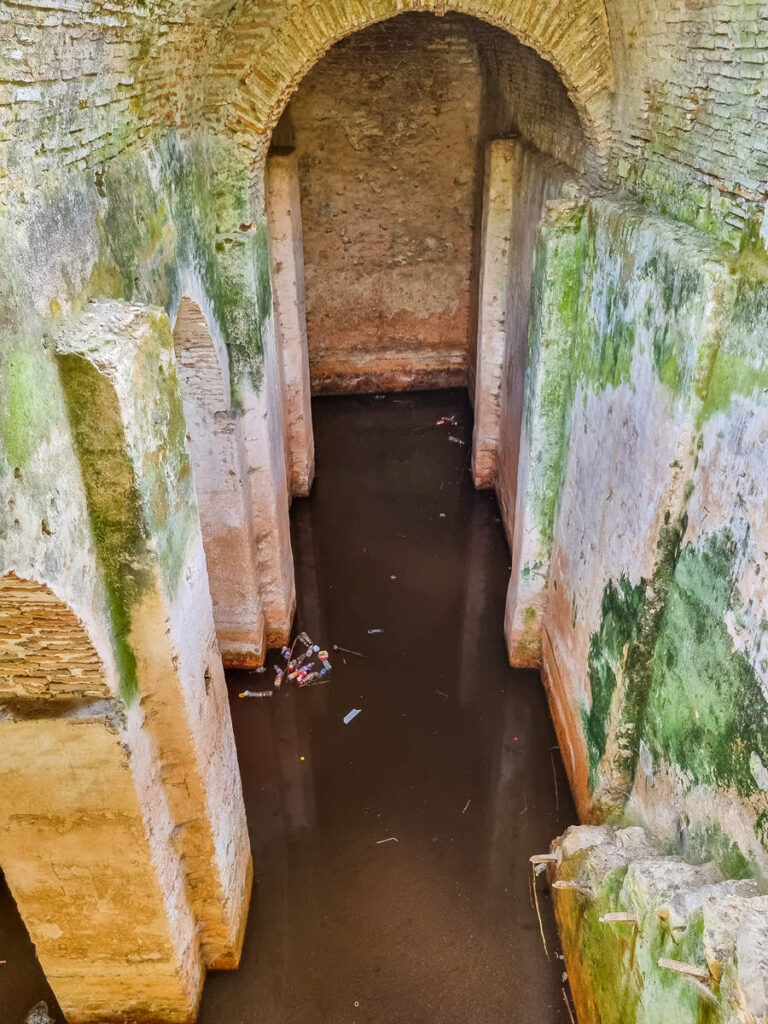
86	840
118	372
216	451
501	166
269	501
287	264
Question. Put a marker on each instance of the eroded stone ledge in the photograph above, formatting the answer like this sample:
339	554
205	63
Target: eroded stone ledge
649	938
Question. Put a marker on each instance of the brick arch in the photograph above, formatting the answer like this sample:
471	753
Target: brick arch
45	649
202	365
572	35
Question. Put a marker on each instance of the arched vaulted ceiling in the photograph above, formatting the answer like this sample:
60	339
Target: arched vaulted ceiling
266	50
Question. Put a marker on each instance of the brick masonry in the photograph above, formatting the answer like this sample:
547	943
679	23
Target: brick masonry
45	652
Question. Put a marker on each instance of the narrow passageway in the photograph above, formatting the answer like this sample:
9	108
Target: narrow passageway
453	754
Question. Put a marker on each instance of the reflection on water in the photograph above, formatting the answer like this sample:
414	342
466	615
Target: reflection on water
452	755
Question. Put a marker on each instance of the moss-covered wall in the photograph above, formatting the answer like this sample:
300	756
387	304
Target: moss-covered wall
646	413
626	912
169	216
118	373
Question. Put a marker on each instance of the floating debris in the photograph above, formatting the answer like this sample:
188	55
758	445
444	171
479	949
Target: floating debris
258	694
311	665
389	839
351	714
619	918
39	1015
456	440
567	1002
690	970
377	630
346	650
447	419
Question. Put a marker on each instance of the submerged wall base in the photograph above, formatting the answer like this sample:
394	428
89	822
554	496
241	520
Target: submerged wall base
650	938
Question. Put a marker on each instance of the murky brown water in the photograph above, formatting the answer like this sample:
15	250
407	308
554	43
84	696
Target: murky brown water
452	755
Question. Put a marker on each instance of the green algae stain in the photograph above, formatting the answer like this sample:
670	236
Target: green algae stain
675	196
621	610
633	618
114	503
676	314
741	364
615	967
707	712
609	282
186	205
666	349
677	285
761	827
27	409
210	206
549	382
732	375
665	995
137	229
166	485
706	841
609	956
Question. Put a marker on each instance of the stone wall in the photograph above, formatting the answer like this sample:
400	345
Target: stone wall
388	179
46	653
539	179
168	219
132	141
650	938
391	183
214	439
639	569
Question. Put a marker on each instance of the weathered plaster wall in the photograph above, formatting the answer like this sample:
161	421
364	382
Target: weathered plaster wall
388	177
286	248
102	903
523	99
640	598
158	222
118	372
132	229
704	742
215	444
